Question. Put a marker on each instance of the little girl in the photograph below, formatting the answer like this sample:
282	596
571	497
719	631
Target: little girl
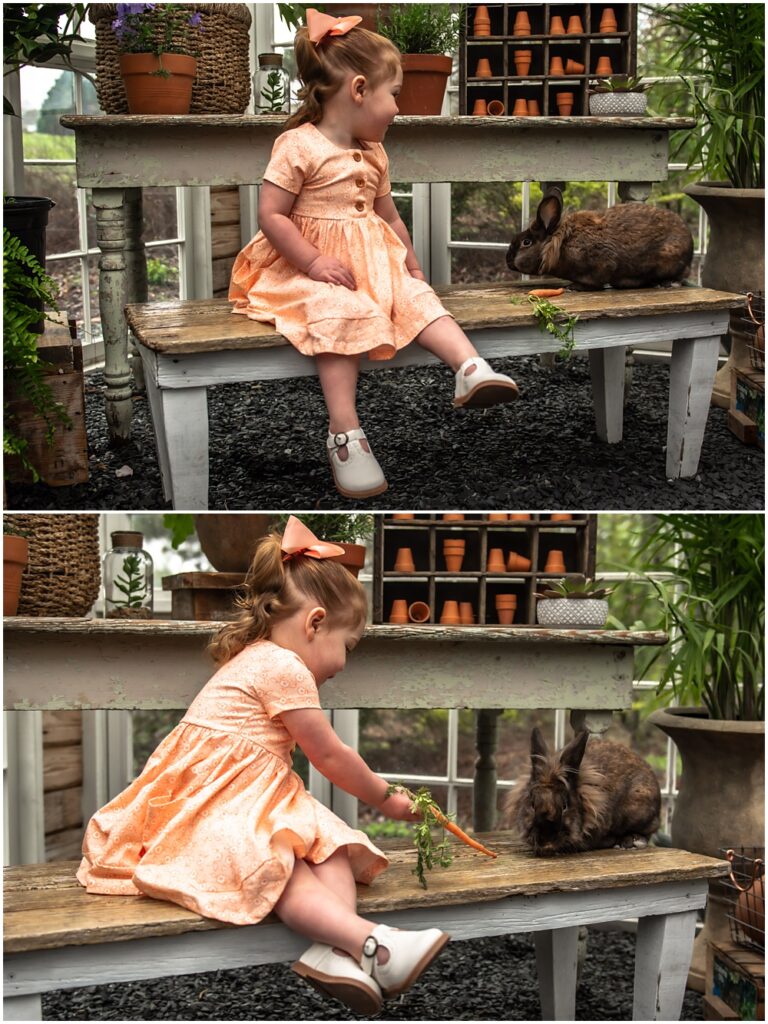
333	266
219	823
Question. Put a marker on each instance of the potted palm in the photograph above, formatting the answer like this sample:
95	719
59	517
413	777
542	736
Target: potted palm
712	603
424	34
721	62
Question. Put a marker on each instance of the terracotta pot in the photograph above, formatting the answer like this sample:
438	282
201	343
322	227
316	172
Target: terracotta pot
453	516
520	108
399	612
450	614
480	108
15	557
425	77
148	92
608	22
564	103
229	539
556	26
555	562
560	517
522	62
483	70
418	611
466	613
453	562
518	563
534	110
750	912
572	67
505	600
497	517
403	515
481	26
456	543
353	558
520	516
496	108
604	67
496	560
522	25
404	561
506	616
575	27
556	66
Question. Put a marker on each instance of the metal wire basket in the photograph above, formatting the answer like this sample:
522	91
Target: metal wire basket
745	894
753	325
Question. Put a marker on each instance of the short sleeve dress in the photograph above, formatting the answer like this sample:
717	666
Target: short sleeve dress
335	190
217	818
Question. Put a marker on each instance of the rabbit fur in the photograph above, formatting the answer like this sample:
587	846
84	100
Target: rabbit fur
627	246
592	796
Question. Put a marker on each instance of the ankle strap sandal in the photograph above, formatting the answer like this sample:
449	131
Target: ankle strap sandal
358	475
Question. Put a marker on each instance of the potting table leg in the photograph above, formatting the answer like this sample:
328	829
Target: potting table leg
662	959
556	961
691	376
607	368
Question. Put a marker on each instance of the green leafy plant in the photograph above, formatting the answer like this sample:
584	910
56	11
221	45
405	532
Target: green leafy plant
428	850
295	15
273	94
160	272
578	587
181	525
31	35
423	28
552	319
25	286
158	29
619	83
712	603
721	63
132	583
343	528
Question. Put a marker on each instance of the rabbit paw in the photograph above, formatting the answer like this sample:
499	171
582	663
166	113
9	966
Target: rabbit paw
632	842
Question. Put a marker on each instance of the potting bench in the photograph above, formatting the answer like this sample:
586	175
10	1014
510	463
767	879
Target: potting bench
58	936
118	156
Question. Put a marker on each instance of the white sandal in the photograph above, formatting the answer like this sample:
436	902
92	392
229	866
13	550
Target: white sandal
410	953
484	387
359	475
340	977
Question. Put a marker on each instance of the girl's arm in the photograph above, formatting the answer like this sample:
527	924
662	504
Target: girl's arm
342	765
385	207
275	205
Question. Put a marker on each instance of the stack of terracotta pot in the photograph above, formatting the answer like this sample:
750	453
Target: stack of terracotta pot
564	102
608	22
453	553
506	605
482	23
522	25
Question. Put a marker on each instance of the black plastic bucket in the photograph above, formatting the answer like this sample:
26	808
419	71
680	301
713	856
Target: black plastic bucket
26	217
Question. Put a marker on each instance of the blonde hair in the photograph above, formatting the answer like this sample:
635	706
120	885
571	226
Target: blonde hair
275	589
323	67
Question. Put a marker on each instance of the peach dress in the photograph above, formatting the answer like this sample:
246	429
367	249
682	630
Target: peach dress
217	818
335	189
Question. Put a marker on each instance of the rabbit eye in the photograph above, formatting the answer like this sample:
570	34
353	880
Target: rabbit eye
526	242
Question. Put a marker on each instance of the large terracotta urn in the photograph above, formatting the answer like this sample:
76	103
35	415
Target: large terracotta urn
720	803
228	539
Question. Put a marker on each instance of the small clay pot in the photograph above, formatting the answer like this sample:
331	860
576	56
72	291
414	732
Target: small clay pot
418	611
520	516
506	616
534	110
555	562
522	25
466	613
572	67
518	563
403	515
497	517
564	103
458	516
556	66
404	561
604	67
483	70
575	28
608	22
399	612
450	614
453	562
496	108
455	543
556	26
480	108
523	61
506	600
520	108
481	26
560	517
496	560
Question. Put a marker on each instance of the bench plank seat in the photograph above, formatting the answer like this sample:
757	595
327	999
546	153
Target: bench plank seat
46	908
183	327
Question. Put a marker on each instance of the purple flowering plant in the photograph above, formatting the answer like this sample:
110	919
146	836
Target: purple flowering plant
158	28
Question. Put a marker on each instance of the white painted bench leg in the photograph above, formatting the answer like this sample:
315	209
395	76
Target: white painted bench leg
691	377
156	409
556	959
23	1007
607	366
662	959
180	419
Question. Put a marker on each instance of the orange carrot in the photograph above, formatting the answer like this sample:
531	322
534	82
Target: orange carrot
547	293
453	828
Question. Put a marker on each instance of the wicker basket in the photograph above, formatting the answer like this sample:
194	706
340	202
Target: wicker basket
64	572
223	81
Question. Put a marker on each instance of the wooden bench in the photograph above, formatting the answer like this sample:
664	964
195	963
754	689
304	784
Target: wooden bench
57	936
187	346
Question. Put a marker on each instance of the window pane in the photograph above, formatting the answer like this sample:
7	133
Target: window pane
68	276
163	272
160	219
58	184
410	742
478	266
485	212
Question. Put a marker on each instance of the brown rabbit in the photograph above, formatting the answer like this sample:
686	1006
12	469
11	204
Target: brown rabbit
578	801
627	246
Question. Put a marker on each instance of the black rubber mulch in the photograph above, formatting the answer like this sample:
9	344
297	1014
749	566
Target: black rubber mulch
482	979
267	449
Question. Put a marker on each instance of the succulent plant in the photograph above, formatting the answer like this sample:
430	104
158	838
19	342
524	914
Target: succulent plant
619	83
578	587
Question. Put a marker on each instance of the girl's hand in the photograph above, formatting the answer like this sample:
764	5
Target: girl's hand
328	269
418	274
398	806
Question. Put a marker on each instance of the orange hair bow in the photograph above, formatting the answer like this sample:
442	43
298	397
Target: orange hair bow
322	25
298	539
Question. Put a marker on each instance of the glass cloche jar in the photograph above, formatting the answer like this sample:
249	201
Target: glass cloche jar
271	85
128	577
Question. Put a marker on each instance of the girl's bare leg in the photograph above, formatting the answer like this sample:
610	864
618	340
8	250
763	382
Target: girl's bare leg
338	379
445	339
336	875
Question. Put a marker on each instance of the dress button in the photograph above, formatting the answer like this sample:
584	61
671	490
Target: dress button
360	182
359	205
357	156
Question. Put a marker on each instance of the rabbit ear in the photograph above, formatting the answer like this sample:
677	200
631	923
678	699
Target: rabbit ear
571	755
550	209
539	750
